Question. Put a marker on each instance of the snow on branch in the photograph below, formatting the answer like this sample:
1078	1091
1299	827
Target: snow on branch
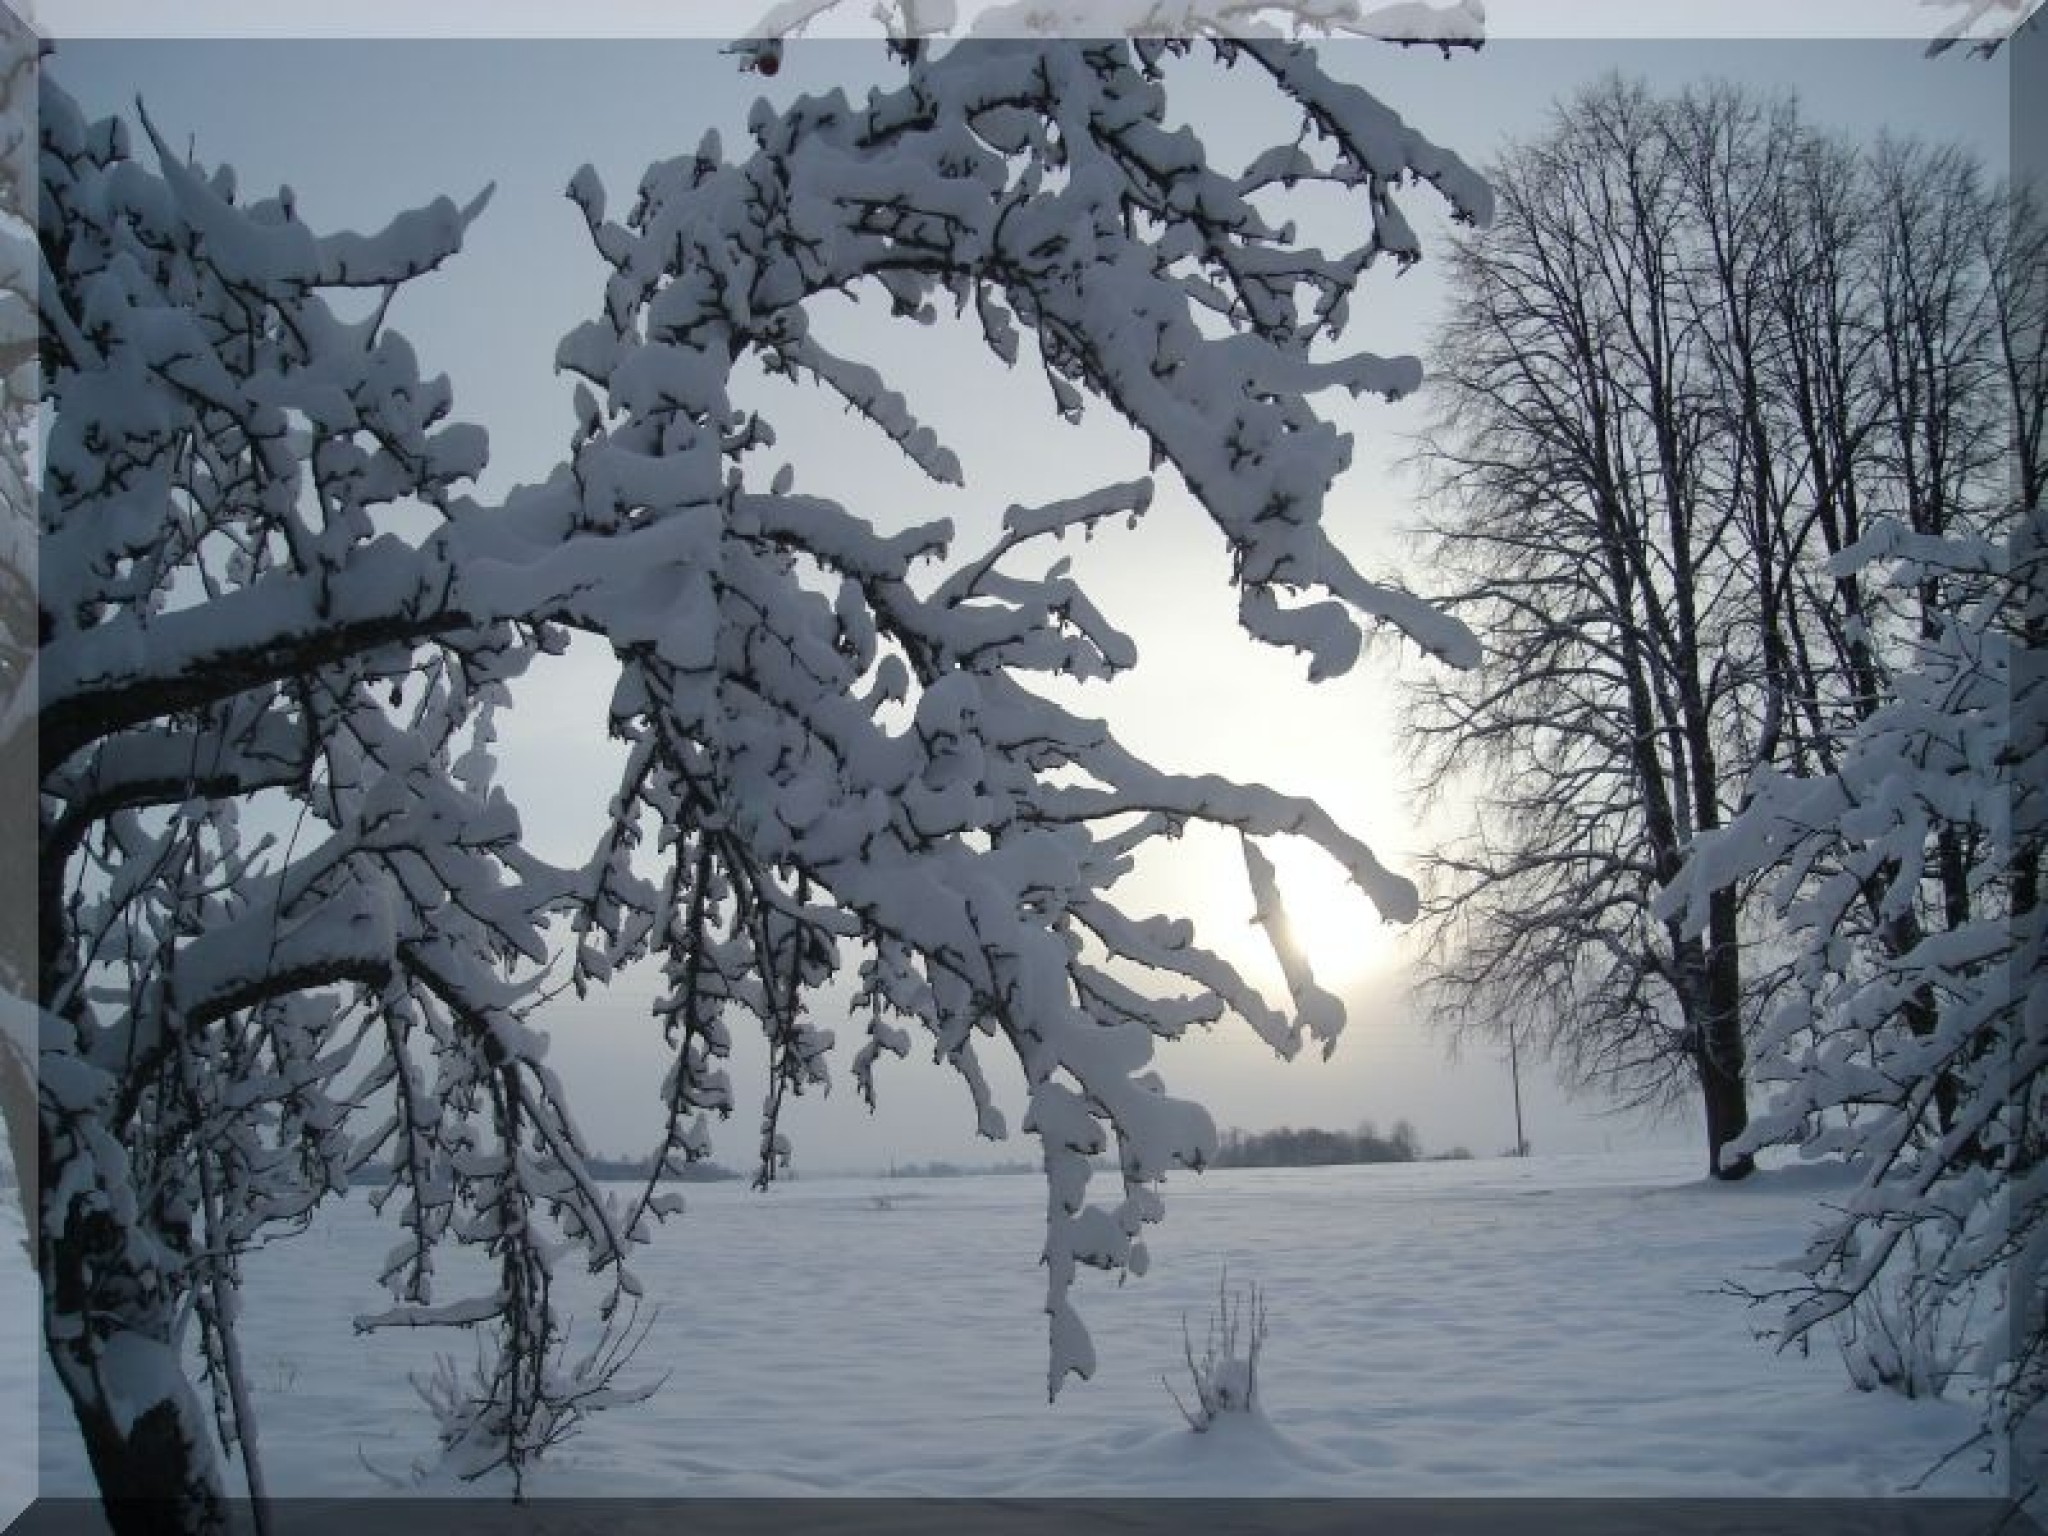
1917	1055
1444	24
1984	25
973	839
265	586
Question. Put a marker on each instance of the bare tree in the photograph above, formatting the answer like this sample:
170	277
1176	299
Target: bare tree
1706	349
1740	434
1587	537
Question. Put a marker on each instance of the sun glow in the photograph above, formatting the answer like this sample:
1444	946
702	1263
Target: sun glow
1334	924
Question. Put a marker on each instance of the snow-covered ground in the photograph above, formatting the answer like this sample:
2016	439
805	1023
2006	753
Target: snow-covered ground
1555	1326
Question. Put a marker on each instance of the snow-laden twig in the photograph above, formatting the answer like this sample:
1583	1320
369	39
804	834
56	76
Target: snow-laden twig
1226	1377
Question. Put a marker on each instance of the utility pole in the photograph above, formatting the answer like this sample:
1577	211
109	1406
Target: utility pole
1515	1076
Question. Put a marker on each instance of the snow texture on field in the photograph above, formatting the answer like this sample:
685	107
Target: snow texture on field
1555	1326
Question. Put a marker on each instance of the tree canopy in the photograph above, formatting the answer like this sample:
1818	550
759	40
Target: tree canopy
286	927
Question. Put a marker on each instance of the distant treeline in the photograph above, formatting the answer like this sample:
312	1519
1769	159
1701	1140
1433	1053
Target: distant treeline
620	1168
1289	1148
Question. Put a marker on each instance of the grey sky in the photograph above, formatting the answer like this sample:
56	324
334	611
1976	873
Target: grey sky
363	129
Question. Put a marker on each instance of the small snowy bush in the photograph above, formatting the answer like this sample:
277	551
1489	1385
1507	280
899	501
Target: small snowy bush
1226	1378
552	1397
1905	1334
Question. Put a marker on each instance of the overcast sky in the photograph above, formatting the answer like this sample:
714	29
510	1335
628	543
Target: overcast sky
361	129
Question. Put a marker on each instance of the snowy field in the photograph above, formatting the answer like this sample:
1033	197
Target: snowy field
1498	1328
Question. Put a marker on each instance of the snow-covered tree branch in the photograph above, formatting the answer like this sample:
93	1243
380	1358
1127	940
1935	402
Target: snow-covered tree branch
1921	1052
286	925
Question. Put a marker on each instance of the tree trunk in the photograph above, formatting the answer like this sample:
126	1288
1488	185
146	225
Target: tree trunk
1727	1105
1724	1069
111	1330
1708	973
154	1463
155	1476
